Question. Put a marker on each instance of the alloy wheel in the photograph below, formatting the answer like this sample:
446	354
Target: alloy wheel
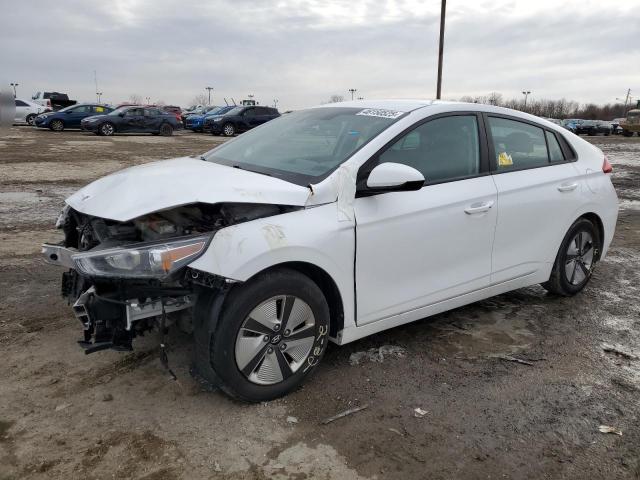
57	125
229	130
275	340
579	258
107	129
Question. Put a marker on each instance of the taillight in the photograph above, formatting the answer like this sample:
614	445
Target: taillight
606	166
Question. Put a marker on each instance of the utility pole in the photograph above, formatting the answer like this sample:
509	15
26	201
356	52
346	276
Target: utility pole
209	89
14	85
275	103
99	96
352	90
443	10
95	79
526	94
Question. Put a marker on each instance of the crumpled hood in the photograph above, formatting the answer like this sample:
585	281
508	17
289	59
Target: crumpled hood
151	187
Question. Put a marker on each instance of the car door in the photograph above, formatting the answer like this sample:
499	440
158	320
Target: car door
152	120
74	116
22	110
538	193
418	248
250	118
133	120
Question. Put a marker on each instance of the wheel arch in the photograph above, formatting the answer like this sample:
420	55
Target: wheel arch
597	221
325	282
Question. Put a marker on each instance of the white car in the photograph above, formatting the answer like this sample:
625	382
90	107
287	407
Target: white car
331	224
26	111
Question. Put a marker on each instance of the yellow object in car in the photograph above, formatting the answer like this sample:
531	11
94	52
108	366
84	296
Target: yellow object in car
504	159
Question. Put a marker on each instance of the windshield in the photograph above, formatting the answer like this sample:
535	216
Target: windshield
66	109
306	146
219	111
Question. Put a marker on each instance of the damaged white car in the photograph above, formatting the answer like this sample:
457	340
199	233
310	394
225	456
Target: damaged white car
330	224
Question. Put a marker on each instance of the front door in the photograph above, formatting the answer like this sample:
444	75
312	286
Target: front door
418	248
133	120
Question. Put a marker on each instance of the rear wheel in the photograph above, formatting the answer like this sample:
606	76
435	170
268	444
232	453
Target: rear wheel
166	130
107	129
56	125
271	333
31	119
627	133
229	130
576	259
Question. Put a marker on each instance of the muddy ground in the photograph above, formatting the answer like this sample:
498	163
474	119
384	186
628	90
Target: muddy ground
118	415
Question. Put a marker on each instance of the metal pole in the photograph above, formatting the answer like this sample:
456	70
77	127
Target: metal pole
209	89
526	94
443	9
353	90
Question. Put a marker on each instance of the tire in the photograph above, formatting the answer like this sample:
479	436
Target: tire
228	130
31	119
107	129
576	259
244	351
56	125
166	130
627	133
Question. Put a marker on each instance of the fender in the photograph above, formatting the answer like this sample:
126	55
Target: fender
312	235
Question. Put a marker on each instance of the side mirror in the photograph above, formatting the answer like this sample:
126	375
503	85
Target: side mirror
394	177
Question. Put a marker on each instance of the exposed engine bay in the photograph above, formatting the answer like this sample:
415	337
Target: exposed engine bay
127	278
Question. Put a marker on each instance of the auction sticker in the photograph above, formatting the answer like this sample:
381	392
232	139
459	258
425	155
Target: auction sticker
379	112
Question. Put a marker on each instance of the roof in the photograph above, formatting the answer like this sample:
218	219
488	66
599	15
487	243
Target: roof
400	105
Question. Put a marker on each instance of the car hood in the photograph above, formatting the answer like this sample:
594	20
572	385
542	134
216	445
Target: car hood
92	117
148	188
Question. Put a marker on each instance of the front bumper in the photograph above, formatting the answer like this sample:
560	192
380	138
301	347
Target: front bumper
89	126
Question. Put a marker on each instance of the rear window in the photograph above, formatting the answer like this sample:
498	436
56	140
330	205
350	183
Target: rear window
555	152
517	145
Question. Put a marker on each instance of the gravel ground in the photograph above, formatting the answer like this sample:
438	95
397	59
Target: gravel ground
119	415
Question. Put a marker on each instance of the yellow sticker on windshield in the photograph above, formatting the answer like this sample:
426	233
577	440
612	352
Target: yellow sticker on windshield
504	159
99	109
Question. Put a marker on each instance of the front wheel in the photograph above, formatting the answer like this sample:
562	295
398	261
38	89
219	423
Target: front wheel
576	259
272	332
107	129
31	119
229	130
56	125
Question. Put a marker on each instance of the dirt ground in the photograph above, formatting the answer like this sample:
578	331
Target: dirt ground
118	415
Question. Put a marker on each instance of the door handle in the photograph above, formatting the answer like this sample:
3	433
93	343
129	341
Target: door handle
479	207
567	187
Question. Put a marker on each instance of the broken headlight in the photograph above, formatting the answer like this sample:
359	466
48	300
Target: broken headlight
156	260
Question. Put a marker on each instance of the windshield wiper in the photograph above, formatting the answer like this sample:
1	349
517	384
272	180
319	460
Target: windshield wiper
253	171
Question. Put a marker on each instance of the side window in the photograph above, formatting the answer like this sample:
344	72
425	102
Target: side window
151	112
249	112
20	103
99	109
82	109
555	152
443	149
134	112
517	144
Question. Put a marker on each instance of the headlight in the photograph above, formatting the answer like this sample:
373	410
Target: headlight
157	260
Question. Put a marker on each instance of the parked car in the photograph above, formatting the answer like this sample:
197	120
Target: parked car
331	224
133	120
53	100
26	111
241	119
197	122
70	117
571	124
593	127
615	125
177	111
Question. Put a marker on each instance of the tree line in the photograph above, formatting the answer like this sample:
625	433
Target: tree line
560	109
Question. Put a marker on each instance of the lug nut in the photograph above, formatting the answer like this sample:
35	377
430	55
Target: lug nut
276	327
283	346
266	338
287	333
270	350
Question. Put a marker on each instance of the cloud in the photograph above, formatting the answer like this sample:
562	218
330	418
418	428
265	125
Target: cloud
300	52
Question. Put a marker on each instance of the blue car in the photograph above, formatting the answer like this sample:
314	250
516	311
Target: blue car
196	122
70	117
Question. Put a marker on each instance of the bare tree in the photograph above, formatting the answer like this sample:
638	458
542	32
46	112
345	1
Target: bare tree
135	99
335	99
200	99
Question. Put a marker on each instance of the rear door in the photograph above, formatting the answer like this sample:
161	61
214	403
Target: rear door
152	119
538	193
250	118
76	114
22	110
418	248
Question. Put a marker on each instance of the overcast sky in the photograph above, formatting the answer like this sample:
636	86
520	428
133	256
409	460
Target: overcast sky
301	52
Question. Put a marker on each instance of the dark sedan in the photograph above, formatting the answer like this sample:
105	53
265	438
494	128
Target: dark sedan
593	127
134	119
241	119
71	117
